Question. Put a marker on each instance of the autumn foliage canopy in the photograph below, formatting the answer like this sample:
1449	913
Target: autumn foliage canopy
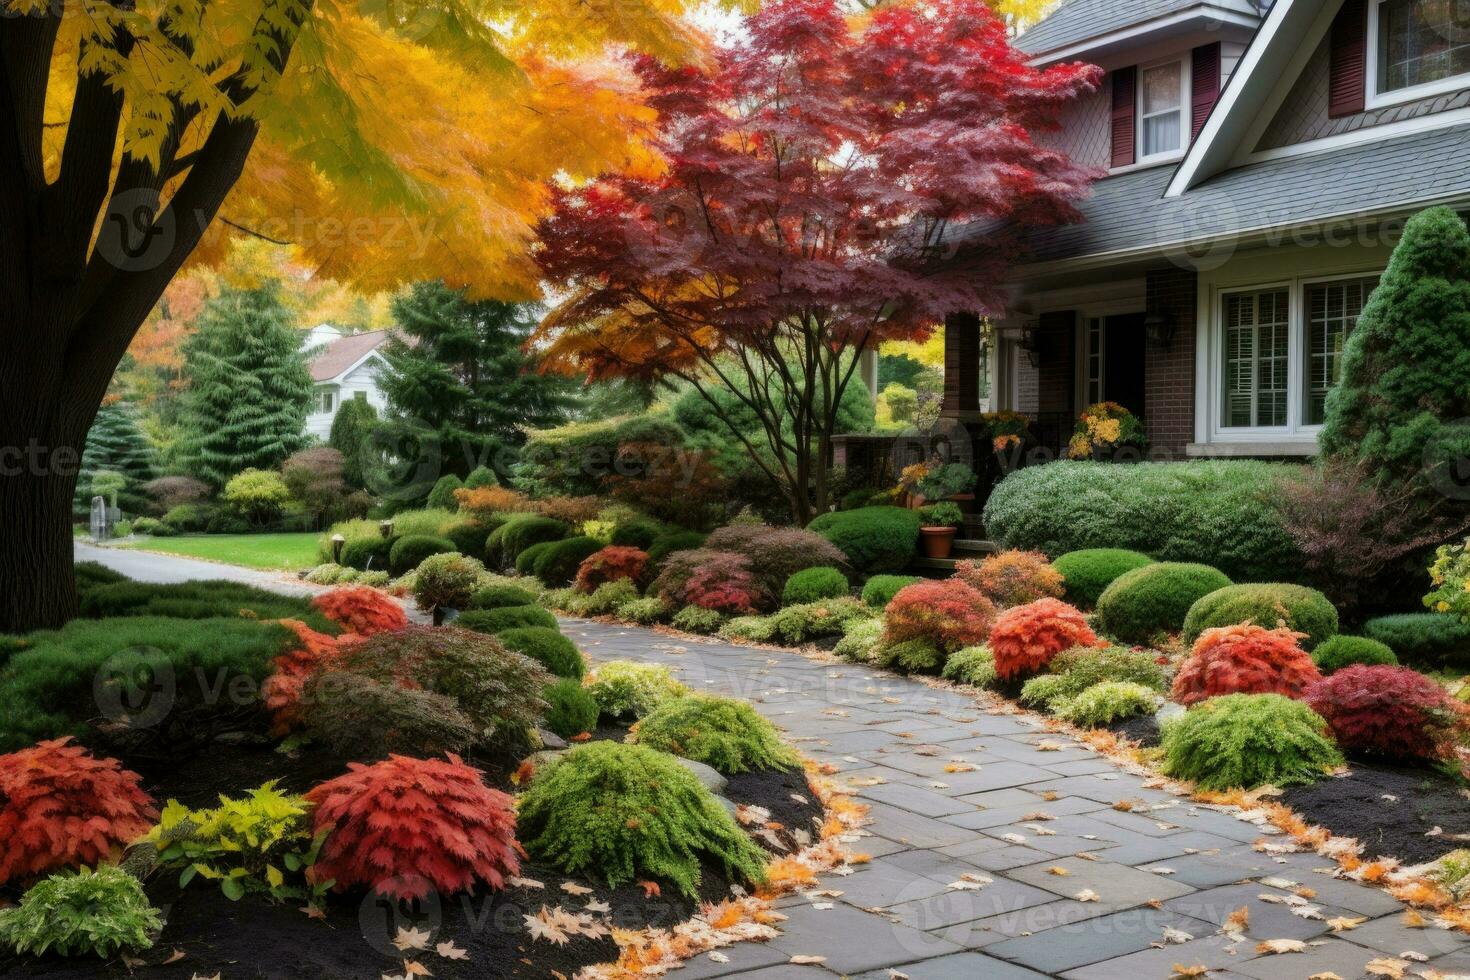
1026	638
362	610
1245	659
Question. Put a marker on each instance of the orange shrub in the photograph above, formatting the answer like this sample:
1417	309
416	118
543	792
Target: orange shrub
1245	659
362	610
1026	638
281	692
948	614
1013	578
571	510
484	501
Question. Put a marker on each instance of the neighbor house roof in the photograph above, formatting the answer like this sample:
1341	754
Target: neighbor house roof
1077	22
340	355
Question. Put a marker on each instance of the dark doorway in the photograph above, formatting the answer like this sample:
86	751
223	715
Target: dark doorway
1123	380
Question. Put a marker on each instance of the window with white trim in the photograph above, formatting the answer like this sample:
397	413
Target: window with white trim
1257	353
1162	91
1332	311
328	401
1418	46
1093	353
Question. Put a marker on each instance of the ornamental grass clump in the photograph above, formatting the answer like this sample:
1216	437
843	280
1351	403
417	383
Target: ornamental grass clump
623	689
723	733
623	813
1390	711
949	615
1298	608
1105	703
1244	659
1154	600
1012	578
1026	638
1241	741
98	913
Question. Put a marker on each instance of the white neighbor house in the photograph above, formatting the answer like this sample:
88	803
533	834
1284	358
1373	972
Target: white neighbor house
342	365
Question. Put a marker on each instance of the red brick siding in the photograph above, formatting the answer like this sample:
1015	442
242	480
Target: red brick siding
1169	372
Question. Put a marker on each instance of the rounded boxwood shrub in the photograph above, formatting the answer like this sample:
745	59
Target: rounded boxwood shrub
623	689
505	543
468	536
500	596
1242	741
623	813
879	590
1423	639
525	562
637	533
547	647
1298	608
1088	572
366	552
445	581
874	539
1344	651
814	585
571	710
723	733
1220	509
409	552
558	564
1146	602
496	621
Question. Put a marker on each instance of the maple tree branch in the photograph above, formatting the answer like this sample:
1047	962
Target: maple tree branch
26	44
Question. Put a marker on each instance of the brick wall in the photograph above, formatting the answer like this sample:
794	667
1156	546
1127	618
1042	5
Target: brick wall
1057	384
961	364
1169	372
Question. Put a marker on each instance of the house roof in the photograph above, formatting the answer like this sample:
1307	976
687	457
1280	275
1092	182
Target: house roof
1129	212
338	356
1084	24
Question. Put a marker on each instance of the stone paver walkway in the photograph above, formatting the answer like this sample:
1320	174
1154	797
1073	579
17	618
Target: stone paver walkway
1168	863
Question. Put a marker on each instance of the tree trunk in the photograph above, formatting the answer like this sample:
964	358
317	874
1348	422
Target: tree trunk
37	581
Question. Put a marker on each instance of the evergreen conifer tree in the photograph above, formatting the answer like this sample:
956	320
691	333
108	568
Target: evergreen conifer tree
352	435
115	444
246	404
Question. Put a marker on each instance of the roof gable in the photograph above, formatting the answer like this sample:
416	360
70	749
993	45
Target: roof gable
1081	27
340	356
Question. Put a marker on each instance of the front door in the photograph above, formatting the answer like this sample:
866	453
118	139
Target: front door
1112	361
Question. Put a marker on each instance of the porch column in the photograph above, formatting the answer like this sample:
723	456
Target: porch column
961	366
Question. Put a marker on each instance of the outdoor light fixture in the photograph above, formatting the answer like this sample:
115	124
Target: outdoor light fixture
337	542
1160	329
386	528
1031	343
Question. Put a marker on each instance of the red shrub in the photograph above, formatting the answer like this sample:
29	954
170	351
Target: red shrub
610	564
950	614
1244	659
725	585
1392	711
1026	638
403	826
1012	578
282	690
60	807
362	610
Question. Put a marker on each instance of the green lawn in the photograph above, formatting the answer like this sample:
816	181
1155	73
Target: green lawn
275	552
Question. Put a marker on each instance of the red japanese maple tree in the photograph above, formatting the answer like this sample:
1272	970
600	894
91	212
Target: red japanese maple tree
821	190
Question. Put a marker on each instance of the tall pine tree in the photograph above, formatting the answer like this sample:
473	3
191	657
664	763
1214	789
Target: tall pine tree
115	444
352	436
249	388
459	379
1405	385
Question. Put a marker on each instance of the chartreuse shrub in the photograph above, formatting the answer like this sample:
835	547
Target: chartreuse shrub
814	585
1452	873
798	624
1298	608
1105	703
604	600
1086	573
500	596
1148	602
1390	711
99	913
1242	741
548	648
695	619
879	590
972	665
1423	639
752	629
645	611
1244	659
557	564
874	539
723	733
623	813
571	709
1026	638
1074	671
916	656
623	689
860	640
259	844
1344	651
409	552
493	621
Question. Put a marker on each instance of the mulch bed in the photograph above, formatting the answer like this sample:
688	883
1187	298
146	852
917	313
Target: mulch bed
1392	811
1143	729
254	938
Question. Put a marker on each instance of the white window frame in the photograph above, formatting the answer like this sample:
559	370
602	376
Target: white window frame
1377	99
323	395
1296	428
1186	103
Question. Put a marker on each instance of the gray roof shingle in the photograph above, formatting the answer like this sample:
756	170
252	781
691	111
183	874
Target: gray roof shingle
1079	20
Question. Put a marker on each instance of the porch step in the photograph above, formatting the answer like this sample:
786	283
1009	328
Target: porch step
971	548
965	547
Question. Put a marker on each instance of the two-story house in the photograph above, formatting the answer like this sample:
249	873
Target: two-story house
1260	159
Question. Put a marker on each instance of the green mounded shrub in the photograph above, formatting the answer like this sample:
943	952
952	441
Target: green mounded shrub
860	640
505	543
913	656
814	585
666	544
696	619
409	552
798	624
1345	651
558	564
1142	604
98	913
879	590
638	533
190	518
725	734
91	575
548	648
1105	703
1089	571
1242	741
1298	608
571	709
496	621
446	581
623	689
468	536
525	563
1219	510
1084	667
607	598
1423	639
198	600
972	665
481	477
356	717
874	539
146	525
624	813
47	689
368	553
751	629
500	596
330	574
645	611
442	496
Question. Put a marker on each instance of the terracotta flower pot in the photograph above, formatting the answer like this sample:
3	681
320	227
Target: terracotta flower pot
938	541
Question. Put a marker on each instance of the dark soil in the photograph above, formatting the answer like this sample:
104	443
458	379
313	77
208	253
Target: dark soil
254	938
1143	729
1390	810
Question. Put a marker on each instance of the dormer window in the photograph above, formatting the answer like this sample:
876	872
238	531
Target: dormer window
1416	48
1161	110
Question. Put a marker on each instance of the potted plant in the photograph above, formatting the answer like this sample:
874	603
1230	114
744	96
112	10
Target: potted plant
941	523
948	481
1107	431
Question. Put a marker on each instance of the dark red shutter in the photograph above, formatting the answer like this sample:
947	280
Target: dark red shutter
1125	127
1348	82
1204	85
